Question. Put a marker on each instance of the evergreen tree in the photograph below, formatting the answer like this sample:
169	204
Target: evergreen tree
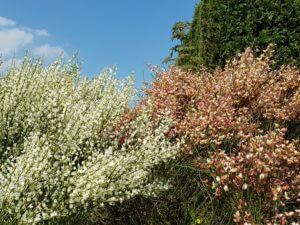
179	32
223	28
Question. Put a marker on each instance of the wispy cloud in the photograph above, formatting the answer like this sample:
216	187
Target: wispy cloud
6	22
14	39
42	32
9	63
48	52
36	32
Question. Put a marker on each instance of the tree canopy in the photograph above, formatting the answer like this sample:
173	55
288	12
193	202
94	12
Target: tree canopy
221	29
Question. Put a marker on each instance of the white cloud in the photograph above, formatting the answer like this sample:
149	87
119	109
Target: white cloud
12	40
42	32
48	52
6	22
36	32
10	62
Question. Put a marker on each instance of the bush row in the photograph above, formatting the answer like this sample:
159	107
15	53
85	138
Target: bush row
73	147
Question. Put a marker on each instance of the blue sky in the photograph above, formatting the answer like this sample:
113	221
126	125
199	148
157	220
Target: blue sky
129	34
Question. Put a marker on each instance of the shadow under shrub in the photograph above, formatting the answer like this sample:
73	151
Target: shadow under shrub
185	202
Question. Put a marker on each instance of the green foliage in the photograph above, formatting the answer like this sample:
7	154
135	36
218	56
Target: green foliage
179	32
223	28
187	202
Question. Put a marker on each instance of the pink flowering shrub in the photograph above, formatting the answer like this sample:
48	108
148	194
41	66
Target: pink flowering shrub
223	114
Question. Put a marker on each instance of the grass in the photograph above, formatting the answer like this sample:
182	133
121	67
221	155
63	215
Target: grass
185	203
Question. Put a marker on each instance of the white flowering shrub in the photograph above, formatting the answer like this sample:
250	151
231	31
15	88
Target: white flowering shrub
58	154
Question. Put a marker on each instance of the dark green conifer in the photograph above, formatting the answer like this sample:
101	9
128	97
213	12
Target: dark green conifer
223	28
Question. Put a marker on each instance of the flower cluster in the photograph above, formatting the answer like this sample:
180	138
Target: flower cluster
209	108
267	165
280	97
212	107
57	152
